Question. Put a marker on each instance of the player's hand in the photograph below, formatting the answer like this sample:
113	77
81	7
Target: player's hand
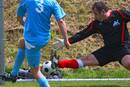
66	43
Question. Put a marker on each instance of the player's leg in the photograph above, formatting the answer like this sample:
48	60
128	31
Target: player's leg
41	79
124	56
77	63
99	57
126	61
19	57
33	57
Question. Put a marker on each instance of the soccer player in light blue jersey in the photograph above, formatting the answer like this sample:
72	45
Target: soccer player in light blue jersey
36	34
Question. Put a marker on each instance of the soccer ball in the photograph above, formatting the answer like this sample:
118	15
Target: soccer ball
47	67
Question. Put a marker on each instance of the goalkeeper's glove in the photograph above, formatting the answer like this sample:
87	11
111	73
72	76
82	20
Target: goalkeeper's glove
59	44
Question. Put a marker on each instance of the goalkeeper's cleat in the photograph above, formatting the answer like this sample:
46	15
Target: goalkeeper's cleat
9	77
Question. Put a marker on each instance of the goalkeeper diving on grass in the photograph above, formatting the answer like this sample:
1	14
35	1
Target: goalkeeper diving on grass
112	25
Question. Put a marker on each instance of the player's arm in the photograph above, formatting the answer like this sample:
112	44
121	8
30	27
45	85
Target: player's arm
63	29
21	11
126	14
20	20
59	14
87	31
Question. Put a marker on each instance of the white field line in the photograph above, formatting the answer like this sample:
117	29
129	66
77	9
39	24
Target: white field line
91	79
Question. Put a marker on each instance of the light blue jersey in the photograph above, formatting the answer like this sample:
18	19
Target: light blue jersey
38	14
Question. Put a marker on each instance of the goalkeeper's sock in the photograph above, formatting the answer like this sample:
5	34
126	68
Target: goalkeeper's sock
18	61
43	82
72	63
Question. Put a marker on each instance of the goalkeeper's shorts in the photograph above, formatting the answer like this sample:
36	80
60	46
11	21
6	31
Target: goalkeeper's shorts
106	55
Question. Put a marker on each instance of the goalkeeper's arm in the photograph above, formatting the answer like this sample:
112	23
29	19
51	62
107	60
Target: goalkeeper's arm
87	31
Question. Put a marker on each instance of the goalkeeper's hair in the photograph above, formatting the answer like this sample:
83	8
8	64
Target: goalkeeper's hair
100	6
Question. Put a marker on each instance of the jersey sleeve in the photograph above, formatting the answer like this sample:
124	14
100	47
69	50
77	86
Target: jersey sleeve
21	10
87	31
58	11
126	14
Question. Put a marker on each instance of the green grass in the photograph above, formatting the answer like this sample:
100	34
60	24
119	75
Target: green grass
72	84
92	84
100	72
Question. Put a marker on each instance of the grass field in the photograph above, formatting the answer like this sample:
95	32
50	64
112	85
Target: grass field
72	84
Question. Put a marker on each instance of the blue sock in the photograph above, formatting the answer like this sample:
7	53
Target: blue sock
18	61
43	82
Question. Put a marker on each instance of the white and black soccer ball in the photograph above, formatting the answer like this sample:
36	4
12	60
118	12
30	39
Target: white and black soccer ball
47	67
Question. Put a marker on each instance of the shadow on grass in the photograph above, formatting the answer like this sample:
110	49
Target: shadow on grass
96	86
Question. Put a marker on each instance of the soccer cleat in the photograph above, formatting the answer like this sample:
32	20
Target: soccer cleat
55	75
13	78
54	59
9	77
25	74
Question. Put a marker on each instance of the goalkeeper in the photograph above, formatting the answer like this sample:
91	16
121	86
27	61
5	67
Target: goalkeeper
112	25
